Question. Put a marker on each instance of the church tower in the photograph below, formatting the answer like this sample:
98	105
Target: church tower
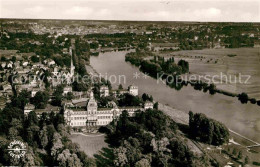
72	67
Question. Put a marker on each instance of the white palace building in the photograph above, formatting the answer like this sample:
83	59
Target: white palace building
92	116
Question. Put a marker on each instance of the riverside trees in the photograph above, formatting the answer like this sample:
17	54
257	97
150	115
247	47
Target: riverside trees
157	65
207	130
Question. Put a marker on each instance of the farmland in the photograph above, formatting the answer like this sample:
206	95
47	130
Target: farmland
244	61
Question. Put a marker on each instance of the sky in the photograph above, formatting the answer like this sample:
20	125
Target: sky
143	10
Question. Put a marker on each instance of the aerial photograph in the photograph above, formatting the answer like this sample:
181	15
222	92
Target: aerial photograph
130	83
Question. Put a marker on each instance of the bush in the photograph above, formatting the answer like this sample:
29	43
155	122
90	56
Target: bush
243	97
253	101
35	59
256	163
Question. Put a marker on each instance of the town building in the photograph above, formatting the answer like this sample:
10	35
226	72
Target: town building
148	105
48	109
66	90
133	90
104	91
28	108
34	91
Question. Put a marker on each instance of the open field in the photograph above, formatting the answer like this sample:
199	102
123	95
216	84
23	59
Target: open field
231	62
90	144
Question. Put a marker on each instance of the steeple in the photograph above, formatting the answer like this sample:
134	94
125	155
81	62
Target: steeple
91	95
71	64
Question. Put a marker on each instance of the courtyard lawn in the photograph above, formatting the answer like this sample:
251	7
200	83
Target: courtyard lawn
91	143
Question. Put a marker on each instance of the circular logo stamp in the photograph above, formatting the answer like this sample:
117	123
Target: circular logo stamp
16	149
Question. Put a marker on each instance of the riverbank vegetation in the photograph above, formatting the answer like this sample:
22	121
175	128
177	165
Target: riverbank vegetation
207	130
157	65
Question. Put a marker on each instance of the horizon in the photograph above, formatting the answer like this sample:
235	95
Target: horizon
156	10
128	20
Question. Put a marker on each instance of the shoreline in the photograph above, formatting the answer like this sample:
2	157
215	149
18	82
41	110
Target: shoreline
182	117
223	91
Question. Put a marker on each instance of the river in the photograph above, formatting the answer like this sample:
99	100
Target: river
242	118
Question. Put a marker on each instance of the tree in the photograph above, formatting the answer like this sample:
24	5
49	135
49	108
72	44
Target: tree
243	97
212	89
207	130
247	160
58	95
184	66
30	159
40	99
3	58
129	100
155	106
70	96
121	158
143	163
234	152
13	133
56	144
181	156
22	99
85	160
32	119
7	115
31	135
44	137
146	97
133	153
253	101
13	59
58	119
59	90
65	158
35	59
79	86
240	155
120	87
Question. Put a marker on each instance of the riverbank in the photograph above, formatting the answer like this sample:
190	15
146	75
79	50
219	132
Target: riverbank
183	118
217	89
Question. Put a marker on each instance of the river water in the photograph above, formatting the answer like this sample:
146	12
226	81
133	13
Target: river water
242	118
